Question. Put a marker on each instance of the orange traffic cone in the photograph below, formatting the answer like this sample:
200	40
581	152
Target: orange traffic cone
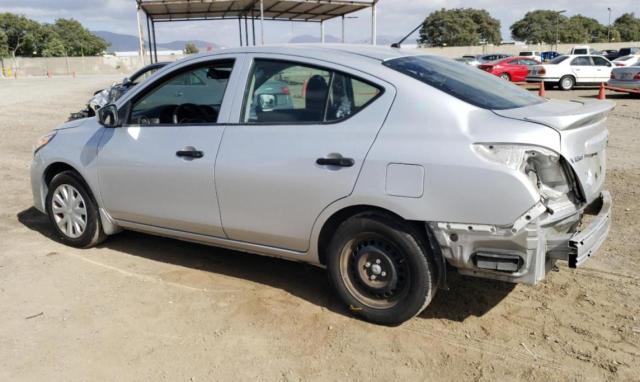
601	93
541	90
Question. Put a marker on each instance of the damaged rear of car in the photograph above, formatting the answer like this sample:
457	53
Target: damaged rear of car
554	152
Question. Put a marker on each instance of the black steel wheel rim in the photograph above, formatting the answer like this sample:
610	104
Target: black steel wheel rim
375	270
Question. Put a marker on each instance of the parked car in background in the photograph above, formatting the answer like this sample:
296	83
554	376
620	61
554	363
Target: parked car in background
610	54
626	60
116	90
511	69
626	78
489	179
581	49
549	55
628	51
534	54
468	60
483	58
571	70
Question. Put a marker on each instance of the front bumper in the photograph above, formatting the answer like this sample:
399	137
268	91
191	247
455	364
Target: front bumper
526	251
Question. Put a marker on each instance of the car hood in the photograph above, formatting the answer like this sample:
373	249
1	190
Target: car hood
73	123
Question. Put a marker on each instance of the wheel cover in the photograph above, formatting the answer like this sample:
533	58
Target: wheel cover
69	211
374	271
566	83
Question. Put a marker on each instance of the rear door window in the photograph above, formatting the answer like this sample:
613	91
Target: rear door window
464	82
283	92
600	61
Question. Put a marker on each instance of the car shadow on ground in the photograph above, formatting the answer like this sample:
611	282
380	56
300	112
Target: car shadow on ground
466	297
612	96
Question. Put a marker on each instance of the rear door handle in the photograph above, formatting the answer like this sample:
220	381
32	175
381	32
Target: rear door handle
189	152
341	162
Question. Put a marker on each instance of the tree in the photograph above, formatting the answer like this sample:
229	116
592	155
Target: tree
459	27
538	27
4	44
190	48
583	29
628	26
50	44
20	33
77	40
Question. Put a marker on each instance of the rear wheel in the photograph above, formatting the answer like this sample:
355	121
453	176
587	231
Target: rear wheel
73	212
380	267
567	82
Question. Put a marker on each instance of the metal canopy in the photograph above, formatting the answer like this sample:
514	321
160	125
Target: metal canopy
292	10
319	11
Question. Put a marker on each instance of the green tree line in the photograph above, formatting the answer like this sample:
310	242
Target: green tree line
20	36
468	26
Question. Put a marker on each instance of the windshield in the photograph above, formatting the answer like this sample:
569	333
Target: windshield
464	82
526	53
558	59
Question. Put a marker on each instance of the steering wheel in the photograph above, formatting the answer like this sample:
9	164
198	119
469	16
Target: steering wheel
188	113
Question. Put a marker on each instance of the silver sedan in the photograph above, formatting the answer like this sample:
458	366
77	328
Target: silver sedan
626	78
388	167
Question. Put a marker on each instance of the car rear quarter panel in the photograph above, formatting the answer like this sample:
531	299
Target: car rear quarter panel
435	131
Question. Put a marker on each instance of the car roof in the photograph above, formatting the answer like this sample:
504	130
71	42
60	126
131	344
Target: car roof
326	51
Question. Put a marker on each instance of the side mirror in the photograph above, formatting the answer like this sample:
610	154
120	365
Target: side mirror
126	81
267	102
108	116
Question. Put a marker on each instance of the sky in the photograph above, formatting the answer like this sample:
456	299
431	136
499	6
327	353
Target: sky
395	17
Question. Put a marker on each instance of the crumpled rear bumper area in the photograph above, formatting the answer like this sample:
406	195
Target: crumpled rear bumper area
526	251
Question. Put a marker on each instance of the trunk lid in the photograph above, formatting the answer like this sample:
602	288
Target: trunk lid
583	136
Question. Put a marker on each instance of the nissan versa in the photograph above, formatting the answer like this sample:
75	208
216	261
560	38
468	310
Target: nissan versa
385	166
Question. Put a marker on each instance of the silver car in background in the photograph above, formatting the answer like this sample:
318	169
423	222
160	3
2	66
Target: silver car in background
626	78
386	166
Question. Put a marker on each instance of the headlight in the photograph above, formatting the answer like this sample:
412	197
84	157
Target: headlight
42	141
542	166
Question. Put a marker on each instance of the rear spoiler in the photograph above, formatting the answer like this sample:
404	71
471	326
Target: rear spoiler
562	115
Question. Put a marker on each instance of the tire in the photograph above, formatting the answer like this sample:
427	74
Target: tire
505	76
567	83
69	198
381	268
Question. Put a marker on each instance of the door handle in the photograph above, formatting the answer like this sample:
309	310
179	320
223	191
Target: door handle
341	162
189	152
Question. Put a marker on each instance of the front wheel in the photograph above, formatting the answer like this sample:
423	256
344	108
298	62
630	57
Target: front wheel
73	212
505	76
381	268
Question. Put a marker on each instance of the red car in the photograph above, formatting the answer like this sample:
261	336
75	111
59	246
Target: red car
511	68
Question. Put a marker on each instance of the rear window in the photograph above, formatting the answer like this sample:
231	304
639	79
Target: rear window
464	82
558	59
526	53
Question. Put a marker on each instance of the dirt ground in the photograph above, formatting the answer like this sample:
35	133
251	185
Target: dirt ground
147	308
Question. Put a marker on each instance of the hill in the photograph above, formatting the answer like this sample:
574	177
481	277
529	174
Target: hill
124	42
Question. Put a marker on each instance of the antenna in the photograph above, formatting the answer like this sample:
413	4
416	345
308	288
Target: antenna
399	43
